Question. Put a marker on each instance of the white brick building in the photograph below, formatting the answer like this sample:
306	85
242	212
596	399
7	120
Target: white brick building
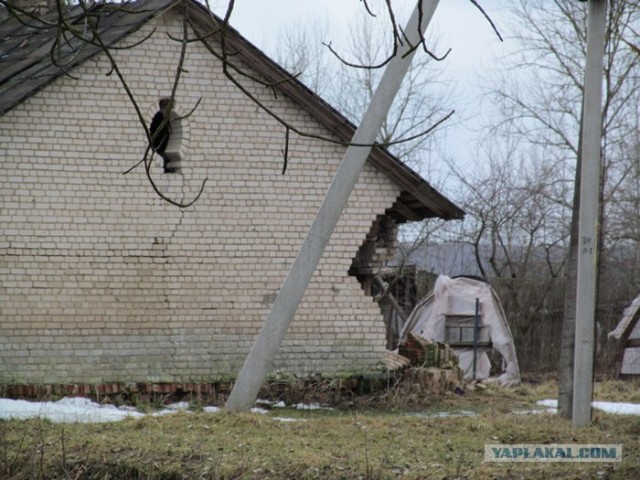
101	281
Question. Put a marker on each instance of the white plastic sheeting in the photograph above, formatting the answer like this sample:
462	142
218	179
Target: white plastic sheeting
631	355
457	296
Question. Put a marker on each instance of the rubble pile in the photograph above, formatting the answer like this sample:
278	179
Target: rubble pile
426	367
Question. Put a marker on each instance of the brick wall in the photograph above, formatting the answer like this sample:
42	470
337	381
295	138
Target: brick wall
101	281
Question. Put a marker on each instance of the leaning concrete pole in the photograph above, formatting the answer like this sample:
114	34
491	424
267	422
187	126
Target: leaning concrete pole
260	358
588	215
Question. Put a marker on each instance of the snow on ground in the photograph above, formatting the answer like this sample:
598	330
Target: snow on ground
461	413
310	406
289	419
83	410
66	410
297	406
608	407
80	410
551	406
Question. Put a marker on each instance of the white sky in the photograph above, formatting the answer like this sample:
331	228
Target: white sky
462	26
458	24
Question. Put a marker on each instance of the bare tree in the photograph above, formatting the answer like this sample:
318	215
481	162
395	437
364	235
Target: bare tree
517	236
300	48
544	112
423	97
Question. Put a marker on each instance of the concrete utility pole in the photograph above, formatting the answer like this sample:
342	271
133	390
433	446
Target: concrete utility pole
258	363
588	216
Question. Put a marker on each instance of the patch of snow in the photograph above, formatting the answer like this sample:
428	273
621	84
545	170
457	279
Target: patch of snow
259	410
173	408
179	406
551	406
83	410
461	413
289	419
297	406
68	409
619	408
535	411
310	406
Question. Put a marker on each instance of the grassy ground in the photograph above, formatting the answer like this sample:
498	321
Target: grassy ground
393	436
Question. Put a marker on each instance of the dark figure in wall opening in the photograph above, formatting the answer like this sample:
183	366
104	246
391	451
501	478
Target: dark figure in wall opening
160	130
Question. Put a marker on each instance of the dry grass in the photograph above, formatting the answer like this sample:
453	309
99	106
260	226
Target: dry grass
385	437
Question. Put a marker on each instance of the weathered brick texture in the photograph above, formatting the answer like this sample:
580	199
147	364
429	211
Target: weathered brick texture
102	281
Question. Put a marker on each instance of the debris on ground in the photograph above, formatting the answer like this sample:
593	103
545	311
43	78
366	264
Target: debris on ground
426	367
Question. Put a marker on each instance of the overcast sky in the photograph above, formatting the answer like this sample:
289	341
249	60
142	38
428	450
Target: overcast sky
458	24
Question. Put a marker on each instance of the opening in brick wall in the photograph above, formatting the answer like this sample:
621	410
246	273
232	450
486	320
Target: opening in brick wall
168	137
370	267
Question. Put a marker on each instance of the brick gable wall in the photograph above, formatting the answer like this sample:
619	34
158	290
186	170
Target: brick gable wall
102	281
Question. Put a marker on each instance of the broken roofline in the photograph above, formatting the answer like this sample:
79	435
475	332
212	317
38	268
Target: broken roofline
418	199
